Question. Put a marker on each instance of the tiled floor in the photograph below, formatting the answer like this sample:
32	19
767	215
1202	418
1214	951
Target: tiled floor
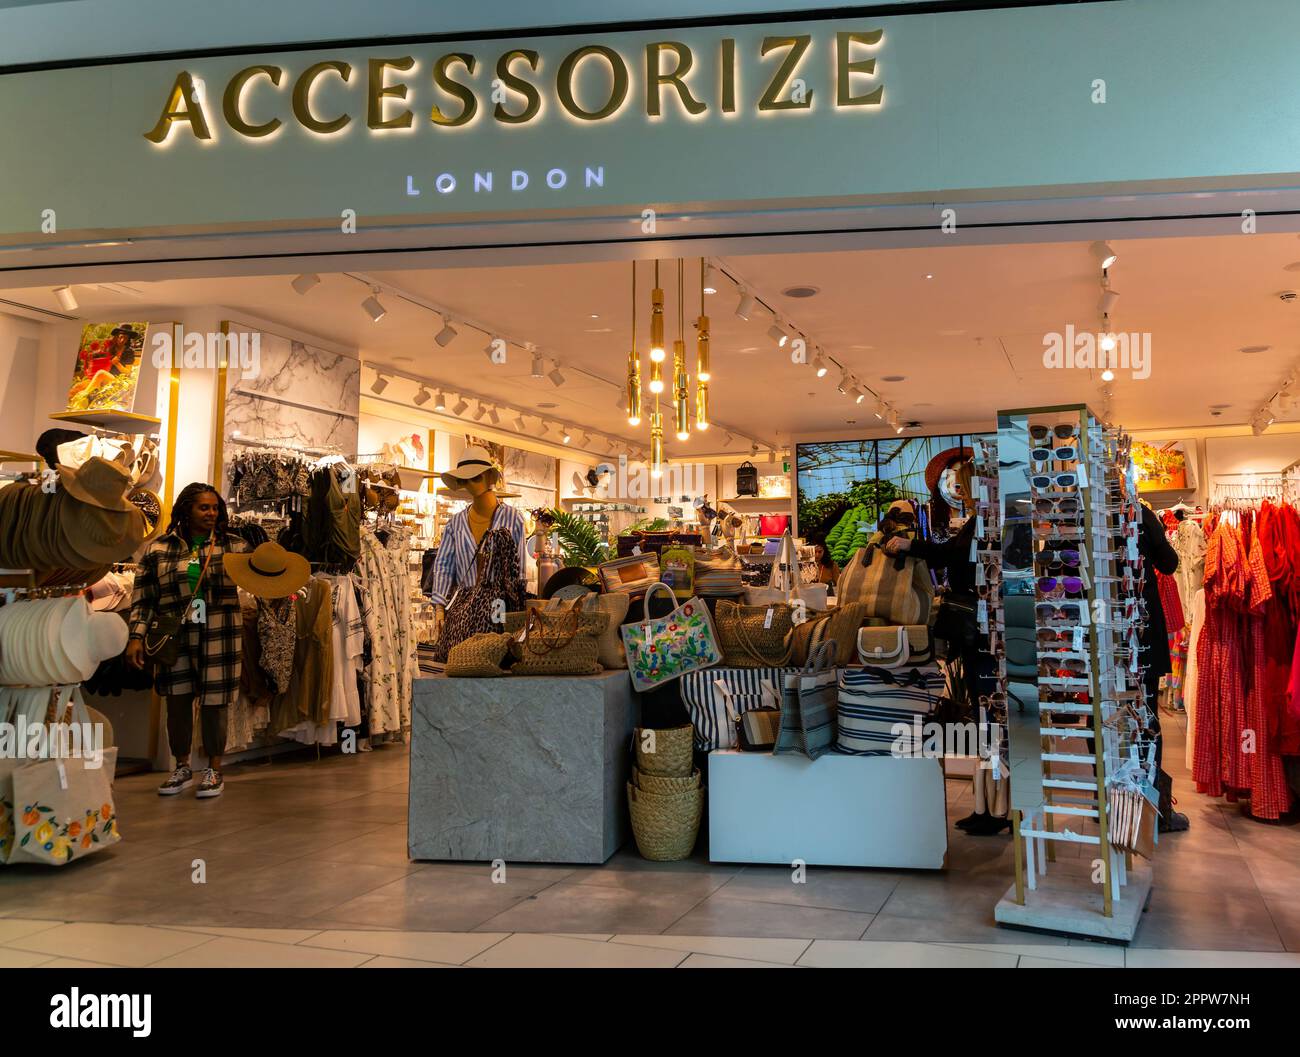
303	862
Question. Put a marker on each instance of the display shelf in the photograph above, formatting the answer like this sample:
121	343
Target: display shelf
611	505
20	456
754	504
113	421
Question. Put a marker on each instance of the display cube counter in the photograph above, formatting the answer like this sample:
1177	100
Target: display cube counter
834	811
525	769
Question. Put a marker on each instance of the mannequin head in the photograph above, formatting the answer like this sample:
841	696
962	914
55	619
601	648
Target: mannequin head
479	486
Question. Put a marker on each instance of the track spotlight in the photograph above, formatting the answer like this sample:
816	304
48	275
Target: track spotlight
373	308
745	305
858	395
305	282
843	385
584	439
422	397
539	367
67	300
1104	255
820	365
777	334
379	384
1108	299
489	350
771	455
440	402
710	280
565	435
520	425
479	412
447	334
556	376
879	409
460	407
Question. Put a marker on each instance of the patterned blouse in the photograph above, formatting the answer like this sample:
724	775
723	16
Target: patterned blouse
455	566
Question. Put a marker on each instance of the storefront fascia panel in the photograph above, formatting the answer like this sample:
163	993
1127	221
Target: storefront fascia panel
976	107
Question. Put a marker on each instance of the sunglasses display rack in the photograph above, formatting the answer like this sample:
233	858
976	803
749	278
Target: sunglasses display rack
1070	530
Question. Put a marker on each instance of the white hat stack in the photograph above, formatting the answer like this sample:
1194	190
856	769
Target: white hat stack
56	641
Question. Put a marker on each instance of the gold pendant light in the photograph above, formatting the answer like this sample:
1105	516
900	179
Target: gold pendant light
656	443
633	367
702	373
656	321
681	383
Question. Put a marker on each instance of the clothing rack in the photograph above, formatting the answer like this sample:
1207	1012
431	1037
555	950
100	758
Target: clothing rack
286	444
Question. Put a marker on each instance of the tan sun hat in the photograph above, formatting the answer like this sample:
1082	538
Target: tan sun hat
270	571
98	482
473	461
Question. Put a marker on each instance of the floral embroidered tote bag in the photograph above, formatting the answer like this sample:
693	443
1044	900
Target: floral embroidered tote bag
669	647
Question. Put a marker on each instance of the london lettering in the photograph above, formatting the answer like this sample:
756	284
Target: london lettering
788	74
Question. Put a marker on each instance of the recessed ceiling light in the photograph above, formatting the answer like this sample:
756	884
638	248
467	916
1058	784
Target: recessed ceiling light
595	316
599	330
403	359
928	275
1294	266
850	421
1220	407
547	407
894	378
748	348
801	291
861	346
1250	350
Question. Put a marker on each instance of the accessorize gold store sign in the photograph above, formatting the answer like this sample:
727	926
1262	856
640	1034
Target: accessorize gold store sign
592	83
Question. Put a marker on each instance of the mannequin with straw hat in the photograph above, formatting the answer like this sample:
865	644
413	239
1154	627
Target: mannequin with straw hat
475	474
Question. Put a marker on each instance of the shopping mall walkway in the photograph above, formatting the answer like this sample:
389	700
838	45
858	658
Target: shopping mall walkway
305	864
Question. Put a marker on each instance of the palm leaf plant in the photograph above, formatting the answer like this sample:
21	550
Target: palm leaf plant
580	543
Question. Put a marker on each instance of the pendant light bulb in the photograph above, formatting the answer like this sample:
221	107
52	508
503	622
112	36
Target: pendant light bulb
702	371
657	325
701	404
656	377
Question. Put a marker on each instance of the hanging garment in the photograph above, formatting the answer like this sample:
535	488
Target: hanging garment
349	648
1189	543
1189	681
306	706
385	606
277	633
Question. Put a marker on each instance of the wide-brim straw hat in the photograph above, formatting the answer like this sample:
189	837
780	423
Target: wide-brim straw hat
269	571
473	461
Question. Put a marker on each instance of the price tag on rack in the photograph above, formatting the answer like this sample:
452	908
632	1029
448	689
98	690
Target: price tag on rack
636	549
1083	475
1078	640
767	619
1132	548
974	548
982	614
1120	684
982	492
981	577
979	525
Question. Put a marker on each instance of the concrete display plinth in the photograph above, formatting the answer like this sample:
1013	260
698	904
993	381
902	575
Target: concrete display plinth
525	769
1068	901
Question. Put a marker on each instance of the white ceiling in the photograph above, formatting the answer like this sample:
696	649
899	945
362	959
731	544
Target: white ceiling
967	341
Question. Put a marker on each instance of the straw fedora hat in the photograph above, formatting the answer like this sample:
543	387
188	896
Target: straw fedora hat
270	571
98	482
473	461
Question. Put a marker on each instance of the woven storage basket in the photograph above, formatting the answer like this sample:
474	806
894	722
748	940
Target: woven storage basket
673	751
658	783
665	827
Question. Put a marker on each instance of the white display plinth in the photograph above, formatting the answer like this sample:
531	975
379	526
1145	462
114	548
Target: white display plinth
835	811
1066	900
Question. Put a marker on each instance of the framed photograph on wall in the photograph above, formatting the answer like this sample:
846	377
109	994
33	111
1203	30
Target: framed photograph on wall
106	372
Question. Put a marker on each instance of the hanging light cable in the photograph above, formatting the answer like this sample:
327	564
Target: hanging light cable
681	383
657	320
633	367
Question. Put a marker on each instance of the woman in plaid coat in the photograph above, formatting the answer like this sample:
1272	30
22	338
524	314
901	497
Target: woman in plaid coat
182	572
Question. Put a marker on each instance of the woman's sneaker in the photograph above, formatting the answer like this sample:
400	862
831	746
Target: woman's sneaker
181	778
210	785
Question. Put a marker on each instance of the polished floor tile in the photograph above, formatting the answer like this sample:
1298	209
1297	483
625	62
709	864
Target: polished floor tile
786	952
265	935
864	891
715	961
975	927
385	962
385	846
697	883
11	958
594	908
1106	955
548	952
16	928
1031	962
228	952
1140	958
451	948
130	945
839	954
740	917
428	901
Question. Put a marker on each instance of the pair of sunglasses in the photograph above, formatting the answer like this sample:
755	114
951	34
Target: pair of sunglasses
1065	479
1064	505
1071	585
1055	636
1059	611
996	700
1065	454
1061	431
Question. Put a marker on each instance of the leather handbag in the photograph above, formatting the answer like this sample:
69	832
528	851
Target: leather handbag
773	524
756	728
665	648
162	646
499	582
754	636
895	647
746	479
630	574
